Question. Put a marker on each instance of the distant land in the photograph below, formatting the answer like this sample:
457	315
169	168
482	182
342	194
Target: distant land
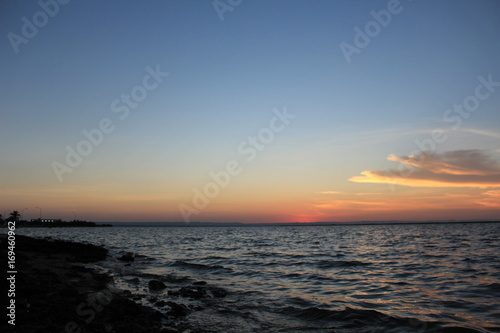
241	224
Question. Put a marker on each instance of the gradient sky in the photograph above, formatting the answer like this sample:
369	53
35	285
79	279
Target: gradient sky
360	146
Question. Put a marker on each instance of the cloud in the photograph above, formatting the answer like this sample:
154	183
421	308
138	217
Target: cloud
491	199
460	168
483	132
411	203
378	203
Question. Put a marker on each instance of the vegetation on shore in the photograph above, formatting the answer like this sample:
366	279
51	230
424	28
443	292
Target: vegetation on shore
15	216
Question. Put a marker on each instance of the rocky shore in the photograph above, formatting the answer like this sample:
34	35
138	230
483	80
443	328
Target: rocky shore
55	293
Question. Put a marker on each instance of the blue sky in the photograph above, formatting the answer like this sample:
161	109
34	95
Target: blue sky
225	78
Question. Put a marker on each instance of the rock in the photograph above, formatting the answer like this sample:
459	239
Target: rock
173	293
134	280
153	299
192	292
218	292
126	293
156	285
157	315
82	253
129	256
177	310
161	303
79	268
46	296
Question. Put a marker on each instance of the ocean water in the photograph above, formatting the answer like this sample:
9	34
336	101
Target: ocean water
373	278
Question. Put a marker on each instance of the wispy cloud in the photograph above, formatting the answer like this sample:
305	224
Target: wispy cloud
491	199
408	204
483	132
460	168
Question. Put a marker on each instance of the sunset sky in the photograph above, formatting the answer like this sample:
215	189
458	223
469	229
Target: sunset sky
250	111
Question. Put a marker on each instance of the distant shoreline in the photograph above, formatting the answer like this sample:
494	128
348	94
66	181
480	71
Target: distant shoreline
59	224
284	224
227	224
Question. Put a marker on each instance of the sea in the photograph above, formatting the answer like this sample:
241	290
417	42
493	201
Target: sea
340	278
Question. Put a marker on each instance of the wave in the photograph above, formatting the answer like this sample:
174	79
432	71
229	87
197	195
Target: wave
361	320
180	263
340	263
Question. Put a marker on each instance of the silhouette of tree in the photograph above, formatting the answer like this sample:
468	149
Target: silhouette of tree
14	216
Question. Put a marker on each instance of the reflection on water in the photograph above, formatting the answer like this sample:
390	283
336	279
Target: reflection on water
309	277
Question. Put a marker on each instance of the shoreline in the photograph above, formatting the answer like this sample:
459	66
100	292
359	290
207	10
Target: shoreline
61	224
55	292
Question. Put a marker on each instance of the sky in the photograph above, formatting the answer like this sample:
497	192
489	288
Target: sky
250	111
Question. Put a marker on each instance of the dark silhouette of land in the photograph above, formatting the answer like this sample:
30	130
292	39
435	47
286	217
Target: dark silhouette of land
54	292
59	224
16	217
